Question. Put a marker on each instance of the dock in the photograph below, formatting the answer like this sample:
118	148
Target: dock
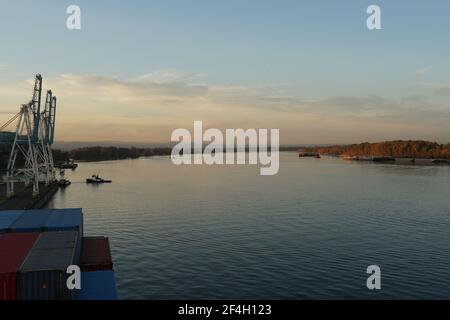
23	200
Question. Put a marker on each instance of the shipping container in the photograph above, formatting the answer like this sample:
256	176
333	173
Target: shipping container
97	285
95	254
42	276
7	218
48	220
32	220
67	219
14	248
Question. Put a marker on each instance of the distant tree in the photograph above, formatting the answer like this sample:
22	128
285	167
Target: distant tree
398	149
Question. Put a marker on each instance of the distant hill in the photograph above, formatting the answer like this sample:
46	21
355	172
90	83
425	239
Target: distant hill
98	153
396	149
71	145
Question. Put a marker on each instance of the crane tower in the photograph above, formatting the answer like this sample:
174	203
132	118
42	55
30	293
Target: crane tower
31	160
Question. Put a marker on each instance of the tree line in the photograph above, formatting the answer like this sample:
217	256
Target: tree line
397	149
89	154
107	153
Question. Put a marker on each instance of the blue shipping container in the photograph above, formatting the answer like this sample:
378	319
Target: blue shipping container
42	275
48	220
66	219
97	285
32	220
7	218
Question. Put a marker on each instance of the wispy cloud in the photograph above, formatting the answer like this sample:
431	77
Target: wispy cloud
439	88
166	76
420	73
436	87
148	107
4	66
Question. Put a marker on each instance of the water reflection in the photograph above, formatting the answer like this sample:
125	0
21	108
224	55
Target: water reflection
308	232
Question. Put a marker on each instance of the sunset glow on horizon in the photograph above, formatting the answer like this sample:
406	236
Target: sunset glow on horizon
136	73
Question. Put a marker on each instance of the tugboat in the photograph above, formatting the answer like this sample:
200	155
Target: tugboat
96	179
63	182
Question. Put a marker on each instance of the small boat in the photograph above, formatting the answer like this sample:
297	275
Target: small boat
67	165
96	179
350	158
64	183
365	158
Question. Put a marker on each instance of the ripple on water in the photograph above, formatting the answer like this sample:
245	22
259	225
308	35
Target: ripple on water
309	232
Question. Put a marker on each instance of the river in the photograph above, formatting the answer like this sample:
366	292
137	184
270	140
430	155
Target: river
309	232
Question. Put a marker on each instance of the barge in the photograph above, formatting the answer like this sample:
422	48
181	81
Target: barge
368	158
306	154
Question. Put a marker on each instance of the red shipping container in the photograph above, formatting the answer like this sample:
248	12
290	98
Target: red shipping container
95	254
14	248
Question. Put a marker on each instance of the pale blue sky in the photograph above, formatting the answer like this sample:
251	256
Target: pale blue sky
313	51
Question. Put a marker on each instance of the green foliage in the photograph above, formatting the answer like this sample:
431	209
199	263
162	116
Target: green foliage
107	153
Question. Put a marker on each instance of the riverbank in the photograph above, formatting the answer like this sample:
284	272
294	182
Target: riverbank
402	161
100	153
398	149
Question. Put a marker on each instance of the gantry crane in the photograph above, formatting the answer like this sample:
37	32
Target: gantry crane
31	141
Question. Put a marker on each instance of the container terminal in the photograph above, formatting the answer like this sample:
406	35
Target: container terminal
37	245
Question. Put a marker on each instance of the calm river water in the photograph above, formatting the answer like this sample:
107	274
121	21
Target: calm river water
200	232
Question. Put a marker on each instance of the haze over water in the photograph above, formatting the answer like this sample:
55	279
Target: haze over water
200	232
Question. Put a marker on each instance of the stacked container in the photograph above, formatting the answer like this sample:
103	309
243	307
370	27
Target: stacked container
42	276
97	277
31	221
7	218
13	250
96	254
43	220
97	285
65	220
37	247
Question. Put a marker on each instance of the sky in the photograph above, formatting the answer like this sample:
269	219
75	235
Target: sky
137	70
